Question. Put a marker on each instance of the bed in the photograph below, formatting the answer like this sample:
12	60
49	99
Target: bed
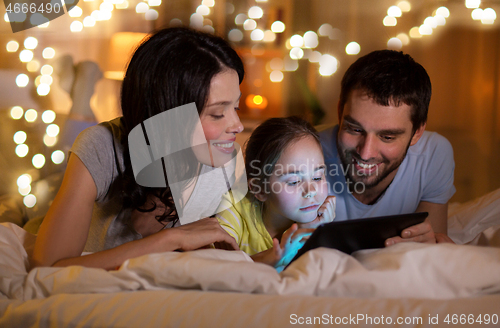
407	285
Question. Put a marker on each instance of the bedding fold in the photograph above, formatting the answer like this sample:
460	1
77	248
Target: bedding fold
410	270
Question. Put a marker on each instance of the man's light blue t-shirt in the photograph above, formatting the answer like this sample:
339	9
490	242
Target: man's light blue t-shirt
426	174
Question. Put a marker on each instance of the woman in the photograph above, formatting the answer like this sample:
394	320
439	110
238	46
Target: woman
99	207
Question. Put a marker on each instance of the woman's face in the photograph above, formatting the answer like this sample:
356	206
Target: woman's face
219	119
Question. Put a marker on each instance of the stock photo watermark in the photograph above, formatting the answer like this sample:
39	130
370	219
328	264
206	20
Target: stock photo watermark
25	14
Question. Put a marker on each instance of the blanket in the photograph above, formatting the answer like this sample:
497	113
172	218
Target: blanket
441	271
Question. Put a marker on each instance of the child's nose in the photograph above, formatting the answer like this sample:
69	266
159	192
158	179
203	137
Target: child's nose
310	190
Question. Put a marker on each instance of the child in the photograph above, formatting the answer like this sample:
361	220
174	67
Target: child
287	191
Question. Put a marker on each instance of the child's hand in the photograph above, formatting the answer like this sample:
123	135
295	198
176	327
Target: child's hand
292	240
326	213
283	252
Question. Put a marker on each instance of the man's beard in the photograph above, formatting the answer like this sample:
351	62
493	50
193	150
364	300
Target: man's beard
349	156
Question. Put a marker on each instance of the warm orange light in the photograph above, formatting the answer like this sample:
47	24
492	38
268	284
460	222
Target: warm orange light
256	101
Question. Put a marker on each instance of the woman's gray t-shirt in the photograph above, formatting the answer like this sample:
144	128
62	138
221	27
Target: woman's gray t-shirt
100	149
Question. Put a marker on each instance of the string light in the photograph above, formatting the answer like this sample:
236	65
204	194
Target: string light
278	27
57	157
394	11
26	56
52	130
296	53
489	16
48	116
24	180
16	112
20	137
276	64
203	10
33	66
22	80
240	19
257	35
269	36
47	70
30	43
38	161
22	150
49	141
76	26
29	201
390	21
151	14
471	4
443	11
310	40
405	6
296	41
249	25
12	46
276	76
30	115
394	44
353	48
48	53
255	12
75	12
235	35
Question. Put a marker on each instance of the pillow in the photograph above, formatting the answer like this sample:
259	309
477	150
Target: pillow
476	222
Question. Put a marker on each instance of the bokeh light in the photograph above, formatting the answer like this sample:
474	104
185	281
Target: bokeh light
29	201
48	53
57	157
22	150
20	137
38	161
30	43
353	48
12	46
278	27
16	112
48	116
31	115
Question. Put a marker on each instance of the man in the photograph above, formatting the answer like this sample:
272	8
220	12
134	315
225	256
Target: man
380	159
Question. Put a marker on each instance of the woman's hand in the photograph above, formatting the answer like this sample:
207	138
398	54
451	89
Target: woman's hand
326	213
199	234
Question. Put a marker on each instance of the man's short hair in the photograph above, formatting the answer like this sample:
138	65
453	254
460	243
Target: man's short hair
390	77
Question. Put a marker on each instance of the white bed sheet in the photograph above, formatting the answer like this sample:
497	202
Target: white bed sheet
214	288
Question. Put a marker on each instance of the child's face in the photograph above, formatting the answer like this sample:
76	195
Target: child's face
298	186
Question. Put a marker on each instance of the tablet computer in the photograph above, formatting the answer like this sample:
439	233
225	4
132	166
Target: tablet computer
352	235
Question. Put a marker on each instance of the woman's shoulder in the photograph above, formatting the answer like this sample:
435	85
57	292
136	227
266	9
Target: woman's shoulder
103	136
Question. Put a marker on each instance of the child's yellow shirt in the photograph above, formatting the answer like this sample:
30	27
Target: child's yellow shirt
243	221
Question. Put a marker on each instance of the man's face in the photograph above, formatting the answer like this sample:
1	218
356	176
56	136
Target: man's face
373	139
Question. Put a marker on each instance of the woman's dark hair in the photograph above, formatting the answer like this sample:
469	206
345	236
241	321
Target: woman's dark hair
268	142
172	67
389	76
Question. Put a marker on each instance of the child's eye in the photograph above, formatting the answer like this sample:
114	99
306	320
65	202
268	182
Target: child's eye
236	108
292	183
217	117
318	178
